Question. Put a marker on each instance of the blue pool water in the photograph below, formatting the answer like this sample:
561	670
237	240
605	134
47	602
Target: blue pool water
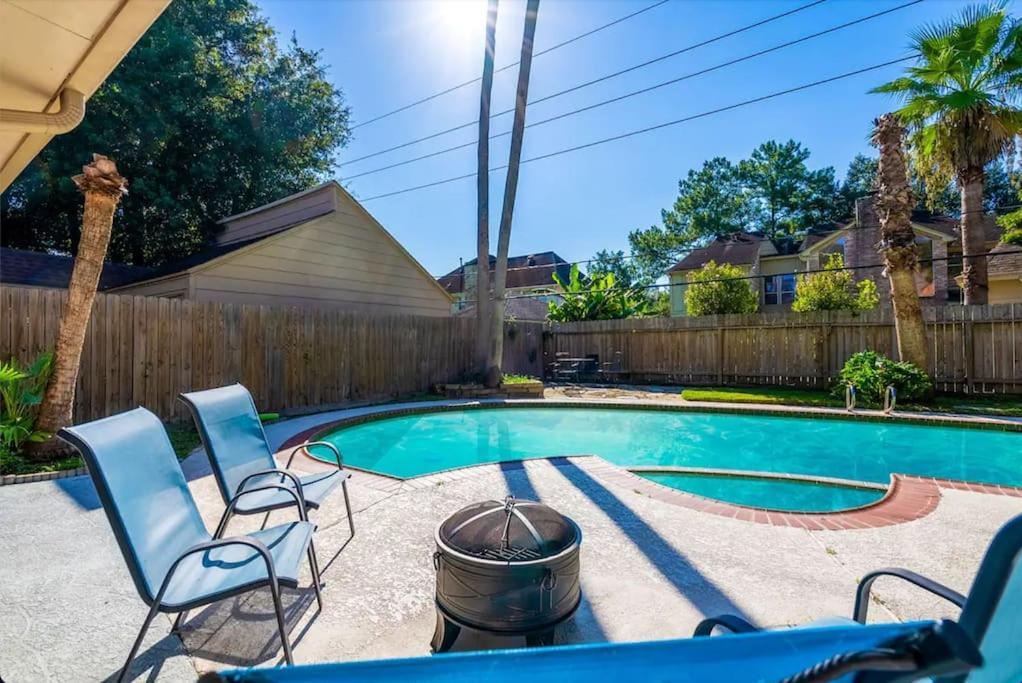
776	494
866	451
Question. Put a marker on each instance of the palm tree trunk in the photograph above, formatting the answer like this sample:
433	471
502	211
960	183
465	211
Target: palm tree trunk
974	266
103	188
494	361
894	208
483	195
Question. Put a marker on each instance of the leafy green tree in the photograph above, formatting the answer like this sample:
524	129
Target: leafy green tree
773	191
718	289
834	289
598	297
1011	225
207	115
860	180
788	197
625	271
961	104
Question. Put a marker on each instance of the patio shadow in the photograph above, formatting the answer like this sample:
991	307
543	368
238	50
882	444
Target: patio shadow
242	631
688	581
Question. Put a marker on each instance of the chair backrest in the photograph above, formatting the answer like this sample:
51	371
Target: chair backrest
231	433
993	610
143	491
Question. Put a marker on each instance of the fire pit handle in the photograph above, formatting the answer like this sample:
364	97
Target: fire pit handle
549	581
436	560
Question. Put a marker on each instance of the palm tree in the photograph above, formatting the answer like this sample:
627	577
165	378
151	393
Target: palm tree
483	195
496	342
894	204
103	188
960	105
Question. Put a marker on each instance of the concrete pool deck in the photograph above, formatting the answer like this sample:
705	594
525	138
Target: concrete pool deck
650	569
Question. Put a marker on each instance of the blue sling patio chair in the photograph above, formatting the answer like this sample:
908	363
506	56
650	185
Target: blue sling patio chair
242	459
984	646
175	563
991	615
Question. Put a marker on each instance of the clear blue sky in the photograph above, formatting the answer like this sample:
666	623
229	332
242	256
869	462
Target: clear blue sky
384	54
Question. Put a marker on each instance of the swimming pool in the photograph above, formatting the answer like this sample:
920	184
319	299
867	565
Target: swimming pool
413	445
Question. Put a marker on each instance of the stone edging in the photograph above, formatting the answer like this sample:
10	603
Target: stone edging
11	479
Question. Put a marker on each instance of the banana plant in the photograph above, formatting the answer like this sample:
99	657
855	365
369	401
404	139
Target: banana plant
21	392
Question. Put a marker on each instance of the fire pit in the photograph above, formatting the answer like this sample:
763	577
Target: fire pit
506	567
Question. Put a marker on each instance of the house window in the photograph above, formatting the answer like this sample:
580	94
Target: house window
778	289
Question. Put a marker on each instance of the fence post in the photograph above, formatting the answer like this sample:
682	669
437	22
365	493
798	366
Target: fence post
970	356
720	352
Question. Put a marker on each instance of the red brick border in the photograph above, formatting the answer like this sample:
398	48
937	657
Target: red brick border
907	499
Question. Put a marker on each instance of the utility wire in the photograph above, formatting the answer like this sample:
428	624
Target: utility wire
687	250
656	127
675	53
668	285
569	41
642	91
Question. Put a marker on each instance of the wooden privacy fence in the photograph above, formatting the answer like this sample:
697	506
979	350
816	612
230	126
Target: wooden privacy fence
146	350
975	348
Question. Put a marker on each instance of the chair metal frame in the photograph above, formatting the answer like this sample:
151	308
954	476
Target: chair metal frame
155	602
232	498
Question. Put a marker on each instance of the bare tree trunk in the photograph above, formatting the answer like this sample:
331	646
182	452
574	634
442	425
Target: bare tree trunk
894	208
483	194
494	363
103	188
974	268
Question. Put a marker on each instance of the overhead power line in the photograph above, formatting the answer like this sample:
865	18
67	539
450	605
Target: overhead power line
688	250
659	126
569	41
645	90
594	81
736	278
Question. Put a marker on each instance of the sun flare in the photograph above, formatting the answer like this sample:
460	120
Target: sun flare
461	19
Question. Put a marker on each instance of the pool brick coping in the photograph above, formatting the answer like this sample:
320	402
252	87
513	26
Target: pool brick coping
908	497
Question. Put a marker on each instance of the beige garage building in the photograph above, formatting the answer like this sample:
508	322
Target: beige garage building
319	248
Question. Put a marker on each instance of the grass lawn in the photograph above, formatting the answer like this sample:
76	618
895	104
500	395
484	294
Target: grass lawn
183	438
1001	406
770	395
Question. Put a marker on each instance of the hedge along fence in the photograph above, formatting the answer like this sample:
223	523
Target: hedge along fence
146	350
972	349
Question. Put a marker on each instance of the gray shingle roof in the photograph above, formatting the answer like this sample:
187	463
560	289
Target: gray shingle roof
36	269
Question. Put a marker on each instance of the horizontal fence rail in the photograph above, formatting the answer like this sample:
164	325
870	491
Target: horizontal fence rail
972	349
146	350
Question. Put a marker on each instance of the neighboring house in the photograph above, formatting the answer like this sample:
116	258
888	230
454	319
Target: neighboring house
531	275
779	261
318	248
1004	271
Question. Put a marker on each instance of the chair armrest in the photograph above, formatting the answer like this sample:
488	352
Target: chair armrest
256	545
866	585
335	449
728	621
303	514
272	470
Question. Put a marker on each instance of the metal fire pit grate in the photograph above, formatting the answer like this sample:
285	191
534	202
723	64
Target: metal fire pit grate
510	554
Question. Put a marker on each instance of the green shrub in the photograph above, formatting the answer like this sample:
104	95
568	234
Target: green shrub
1011	224
720	289
21	392
871	373
834	289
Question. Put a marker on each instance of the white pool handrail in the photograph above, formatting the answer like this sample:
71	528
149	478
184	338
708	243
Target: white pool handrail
849	397
890	399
